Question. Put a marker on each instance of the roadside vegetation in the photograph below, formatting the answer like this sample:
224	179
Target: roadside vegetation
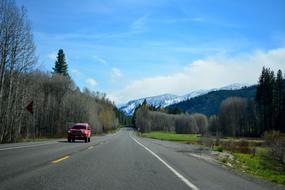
260	165
171	136
252	156
250	130
57	101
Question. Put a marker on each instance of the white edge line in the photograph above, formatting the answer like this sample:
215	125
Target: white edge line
27	146
181	177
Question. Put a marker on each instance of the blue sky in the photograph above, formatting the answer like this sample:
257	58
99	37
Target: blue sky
136	48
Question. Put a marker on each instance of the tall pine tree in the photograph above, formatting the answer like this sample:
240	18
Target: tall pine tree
283	109
136	109
277	101
60	66
264	97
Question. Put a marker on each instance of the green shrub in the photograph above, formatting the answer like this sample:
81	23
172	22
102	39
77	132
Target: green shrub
218	148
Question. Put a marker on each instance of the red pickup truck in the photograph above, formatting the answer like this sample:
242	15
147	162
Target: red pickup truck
79	131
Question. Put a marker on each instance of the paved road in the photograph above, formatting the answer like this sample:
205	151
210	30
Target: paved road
116	161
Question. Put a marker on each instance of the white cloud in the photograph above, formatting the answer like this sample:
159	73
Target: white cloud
176	20
75	72
52	56
113	98
139	24
100	60
207	73
116	73
91	82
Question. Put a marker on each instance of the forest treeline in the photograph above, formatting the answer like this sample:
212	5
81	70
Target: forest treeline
57	101
237	116
146	120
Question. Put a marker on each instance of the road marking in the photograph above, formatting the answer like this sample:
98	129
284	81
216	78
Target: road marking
60	159
90	147
27	146
181	177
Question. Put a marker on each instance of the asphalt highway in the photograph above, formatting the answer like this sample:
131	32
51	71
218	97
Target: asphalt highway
115	161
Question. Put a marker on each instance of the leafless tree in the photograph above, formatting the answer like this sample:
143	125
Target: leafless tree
17	56
185	123
232	115
202	122
147	121
57	100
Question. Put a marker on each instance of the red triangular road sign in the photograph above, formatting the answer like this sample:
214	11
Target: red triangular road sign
30	107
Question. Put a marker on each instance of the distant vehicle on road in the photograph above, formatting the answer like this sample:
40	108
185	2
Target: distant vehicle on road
79	131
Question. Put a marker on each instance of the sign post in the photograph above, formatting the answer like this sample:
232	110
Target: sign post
30	108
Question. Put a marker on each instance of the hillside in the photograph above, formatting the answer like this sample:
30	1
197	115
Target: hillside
209	103
165	100
159	101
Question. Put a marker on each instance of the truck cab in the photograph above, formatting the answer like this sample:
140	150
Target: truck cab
79	131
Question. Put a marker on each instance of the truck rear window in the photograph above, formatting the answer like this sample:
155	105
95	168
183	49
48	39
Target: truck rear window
79	127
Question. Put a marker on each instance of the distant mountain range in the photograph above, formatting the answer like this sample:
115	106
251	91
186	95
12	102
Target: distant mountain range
167	100
209	103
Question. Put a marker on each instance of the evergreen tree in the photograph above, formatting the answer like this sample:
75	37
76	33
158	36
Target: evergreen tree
144	104
134	116
174	110
264	97
60	66
278	100
282	122
282	119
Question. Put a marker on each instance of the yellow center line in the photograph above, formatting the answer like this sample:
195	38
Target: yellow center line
60	159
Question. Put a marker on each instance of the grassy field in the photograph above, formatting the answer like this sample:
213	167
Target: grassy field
261	166
171	136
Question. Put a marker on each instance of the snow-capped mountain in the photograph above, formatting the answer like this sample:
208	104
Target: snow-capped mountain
160	101
165	99
169	99
234	86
